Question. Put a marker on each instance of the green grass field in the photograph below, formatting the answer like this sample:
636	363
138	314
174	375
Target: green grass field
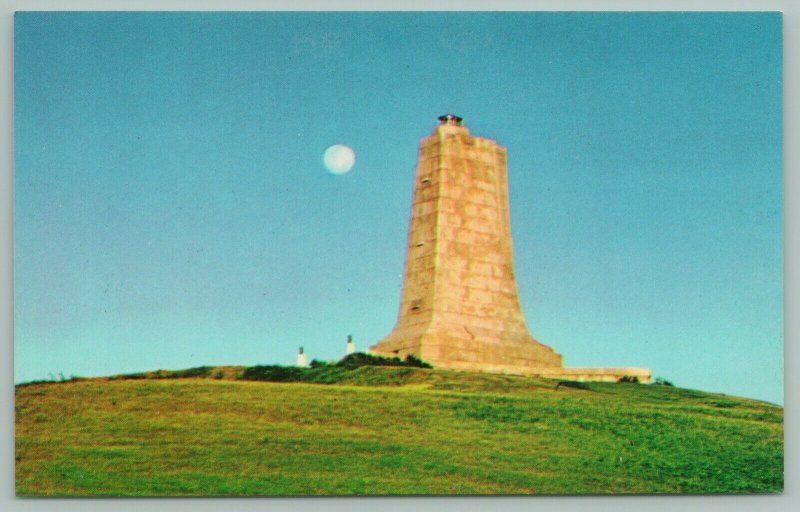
384	430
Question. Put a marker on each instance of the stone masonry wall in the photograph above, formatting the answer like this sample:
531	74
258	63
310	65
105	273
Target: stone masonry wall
459	307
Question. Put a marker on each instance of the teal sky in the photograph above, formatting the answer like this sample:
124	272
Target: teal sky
172	209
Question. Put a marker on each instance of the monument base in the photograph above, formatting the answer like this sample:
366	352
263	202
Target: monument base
518	354
467	348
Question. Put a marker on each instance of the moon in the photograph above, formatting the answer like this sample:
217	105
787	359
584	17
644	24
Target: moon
339	159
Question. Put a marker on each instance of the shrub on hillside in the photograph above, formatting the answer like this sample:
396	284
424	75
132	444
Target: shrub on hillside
126	376
322	372
660	381
361	359
630	379
275	373
200	371
316	363
414	361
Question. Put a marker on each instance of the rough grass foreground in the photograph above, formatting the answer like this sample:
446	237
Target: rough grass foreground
389	431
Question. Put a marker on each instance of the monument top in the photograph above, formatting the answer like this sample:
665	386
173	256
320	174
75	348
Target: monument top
450	119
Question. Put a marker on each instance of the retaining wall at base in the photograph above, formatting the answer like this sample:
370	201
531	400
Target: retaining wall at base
597	374
576	374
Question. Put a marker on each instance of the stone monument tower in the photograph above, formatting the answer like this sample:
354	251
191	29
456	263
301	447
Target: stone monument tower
459	307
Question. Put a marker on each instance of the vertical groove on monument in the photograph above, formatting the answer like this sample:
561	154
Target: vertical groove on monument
459	306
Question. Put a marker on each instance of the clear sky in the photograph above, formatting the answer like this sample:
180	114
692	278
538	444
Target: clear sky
172	208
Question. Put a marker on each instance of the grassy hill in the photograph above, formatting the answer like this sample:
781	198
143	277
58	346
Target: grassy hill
386	430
